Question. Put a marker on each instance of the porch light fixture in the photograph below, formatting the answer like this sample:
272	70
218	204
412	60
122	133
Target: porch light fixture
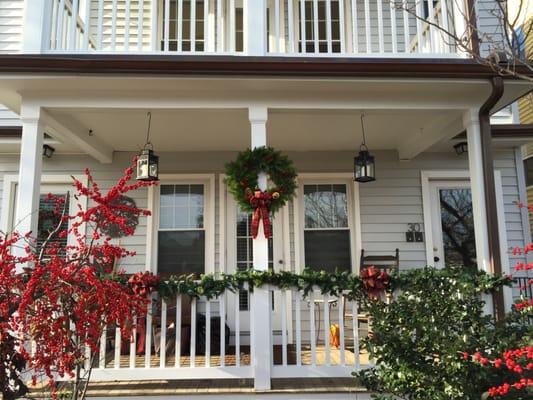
48	151
364	164
148	162
460	148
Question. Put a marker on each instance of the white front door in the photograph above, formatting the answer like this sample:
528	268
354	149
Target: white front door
452	223
240	258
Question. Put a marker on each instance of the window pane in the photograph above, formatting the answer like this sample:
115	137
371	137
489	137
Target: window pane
458	227
325	206
181	252
48	221
328	250
181	207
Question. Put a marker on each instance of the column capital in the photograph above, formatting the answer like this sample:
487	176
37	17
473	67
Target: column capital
258	114
31	113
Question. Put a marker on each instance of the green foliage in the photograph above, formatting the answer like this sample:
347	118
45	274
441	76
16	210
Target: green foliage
210	286
419	338
241	176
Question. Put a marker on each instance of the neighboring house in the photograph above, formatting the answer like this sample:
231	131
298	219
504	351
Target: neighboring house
221	75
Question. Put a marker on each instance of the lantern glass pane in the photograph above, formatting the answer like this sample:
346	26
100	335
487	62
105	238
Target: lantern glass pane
142	168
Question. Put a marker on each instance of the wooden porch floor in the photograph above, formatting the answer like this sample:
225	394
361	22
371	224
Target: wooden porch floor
230	358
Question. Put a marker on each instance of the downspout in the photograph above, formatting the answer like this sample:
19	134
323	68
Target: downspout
495	255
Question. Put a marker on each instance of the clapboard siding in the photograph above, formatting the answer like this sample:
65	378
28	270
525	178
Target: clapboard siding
11	16
490	27
387	205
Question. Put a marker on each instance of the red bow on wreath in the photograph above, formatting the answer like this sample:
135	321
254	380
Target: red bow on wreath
374	281
260	202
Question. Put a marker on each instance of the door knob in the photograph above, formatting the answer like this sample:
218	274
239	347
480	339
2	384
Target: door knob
436	259
280	262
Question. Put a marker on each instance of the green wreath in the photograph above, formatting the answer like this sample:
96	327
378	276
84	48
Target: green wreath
241	177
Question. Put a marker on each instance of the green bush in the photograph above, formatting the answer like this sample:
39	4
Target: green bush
419	338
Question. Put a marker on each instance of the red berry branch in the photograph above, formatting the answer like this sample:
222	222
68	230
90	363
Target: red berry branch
67	294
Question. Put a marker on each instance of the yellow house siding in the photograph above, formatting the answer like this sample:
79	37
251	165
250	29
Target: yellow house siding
525	104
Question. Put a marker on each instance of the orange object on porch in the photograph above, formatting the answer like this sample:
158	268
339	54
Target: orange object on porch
334	335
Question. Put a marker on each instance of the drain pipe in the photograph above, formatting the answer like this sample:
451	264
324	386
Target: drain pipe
490	188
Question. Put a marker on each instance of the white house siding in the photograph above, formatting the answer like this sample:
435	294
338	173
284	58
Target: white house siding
489	26
387	205
11	15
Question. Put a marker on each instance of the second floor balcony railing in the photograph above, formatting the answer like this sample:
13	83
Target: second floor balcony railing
366	28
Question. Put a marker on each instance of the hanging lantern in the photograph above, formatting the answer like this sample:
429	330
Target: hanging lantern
148	162
364	163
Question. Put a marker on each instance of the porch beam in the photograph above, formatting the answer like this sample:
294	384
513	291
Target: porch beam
429	136
30	171
261	346
69	131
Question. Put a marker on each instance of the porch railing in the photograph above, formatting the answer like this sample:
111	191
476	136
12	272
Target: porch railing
375	28
168	344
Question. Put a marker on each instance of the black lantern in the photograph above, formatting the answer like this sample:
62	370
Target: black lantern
148	162
48	151
461	148
364	163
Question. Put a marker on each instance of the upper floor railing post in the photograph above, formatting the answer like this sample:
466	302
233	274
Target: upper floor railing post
255	29
37	20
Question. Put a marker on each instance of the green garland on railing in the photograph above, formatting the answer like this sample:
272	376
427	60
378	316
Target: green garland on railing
329	283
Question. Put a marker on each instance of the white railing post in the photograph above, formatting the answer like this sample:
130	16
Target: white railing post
260	311
255	34
37	26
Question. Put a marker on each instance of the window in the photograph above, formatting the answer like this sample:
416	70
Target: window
181	233
186	20
321	35
49	220
528	169
326	229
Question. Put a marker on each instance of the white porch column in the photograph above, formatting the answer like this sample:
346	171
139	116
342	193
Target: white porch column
37	20
475	164
261	328
255	40
30	170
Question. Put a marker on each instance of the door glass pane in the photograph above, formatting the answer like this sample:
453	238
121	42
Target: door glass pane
457	227
244	251
325	206
327	250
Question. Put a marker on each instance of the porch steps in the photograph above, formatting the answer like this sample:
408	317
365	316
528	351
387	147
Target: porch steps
302	388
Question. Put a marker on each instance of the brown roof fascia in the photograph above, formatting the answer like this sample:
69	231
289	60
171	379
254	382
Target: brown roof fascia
246	65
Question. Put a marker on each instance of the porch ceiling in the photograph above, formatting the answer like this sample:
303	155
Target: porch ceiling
229	129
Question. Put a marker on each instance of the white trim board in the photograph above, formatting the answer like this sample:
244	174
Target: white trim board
208	180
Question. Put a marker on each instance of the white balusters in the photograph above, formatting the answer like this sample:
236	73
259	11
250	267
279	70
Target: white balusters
237	331
232	26
154	21
114	12
432	29
192	351
368	37
219	23
290	26
208	333
327	325
312	329
277	25
342	25
419	26
180	25
118	345
380	27
355	27
315	26
283	307
87	29
341	307
133	344
207	38
100	25
167	26
163	338
303	36
140	24
192	31
222	313
148	335
73	25
355	333
103	345
394	37
406	33
298	314
177	343
328	27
